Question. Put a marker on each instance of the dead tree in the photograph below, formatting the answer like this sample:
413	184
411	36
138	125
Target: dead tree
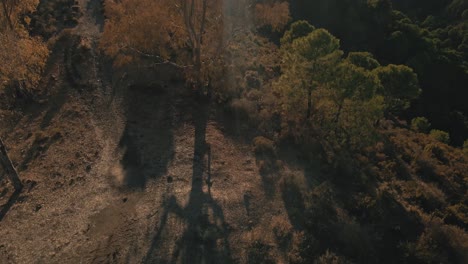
10	170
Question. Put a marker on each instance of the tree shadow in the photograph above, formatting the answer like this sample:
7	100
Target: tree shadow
97	9
55	106
205	238
57	99
11	201
39	146
148	136
294	204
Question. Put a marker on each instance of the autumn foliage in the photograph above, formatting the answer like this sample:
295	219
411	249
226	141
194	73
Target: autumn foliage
25	55
190	34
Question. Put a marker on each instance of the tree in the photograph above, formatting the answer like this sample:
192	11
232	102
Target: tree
440	135
353	82
26	55
306	63
13	9
26	59
363	59
297	30
273	14
399	86
347	105
420	124
190	34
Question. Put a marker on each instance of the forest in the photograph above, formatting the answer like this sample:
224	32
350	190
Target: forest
233	131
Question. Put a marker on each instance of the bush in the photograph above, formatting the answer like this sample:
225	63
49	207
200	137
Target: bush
420	124
439	244
244	109
252	79
433	150
259	252
440	135
330	258
282	229
264	146
269	166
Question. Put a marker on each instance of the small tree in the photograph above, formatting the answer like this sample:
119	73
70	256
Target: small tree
298	29
399	86
363	59
440	135
420	124
306	63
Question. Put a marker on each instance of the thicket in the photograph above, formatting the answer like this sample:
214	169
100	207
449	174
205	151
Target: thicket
428	36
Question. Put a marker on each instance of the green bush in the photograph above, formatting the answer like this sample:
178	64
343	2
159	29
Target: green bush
420	124
440	135
465	147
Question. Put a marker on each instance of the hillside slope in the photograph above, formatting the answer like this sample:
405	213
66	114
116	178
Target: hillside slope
117	175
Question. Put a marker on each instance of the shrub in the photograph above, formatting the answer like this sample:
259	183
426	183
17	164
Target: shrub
254	95
282	229
457	214
433	150
420	124
259	252
244	108
330	258
264	146
269	166
252	79
440	135
439	244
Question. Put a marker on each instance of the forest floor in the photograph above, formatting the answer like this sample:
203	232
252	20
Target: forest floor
124	175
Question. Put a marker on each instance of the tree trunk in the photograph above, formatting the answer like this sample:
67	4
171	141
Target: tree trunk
10	170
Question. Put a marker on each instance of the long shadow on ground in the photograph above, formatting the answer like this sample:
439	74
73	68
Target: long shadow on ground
148	135
11	201
205	238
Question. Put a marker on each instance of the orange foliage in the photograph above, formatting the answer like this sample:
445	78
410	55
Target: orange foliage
22	58
190	33
274	14
11	10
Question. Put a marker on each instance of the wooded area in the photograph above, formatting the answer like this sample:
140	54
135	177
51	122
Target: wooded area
220	131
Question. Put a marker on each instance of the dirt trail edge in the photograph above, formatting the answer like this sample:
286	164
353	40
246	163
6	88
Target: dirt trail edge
141	177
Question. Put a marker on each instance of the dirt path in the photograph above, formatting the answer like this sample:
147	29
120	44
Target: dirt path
130	179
